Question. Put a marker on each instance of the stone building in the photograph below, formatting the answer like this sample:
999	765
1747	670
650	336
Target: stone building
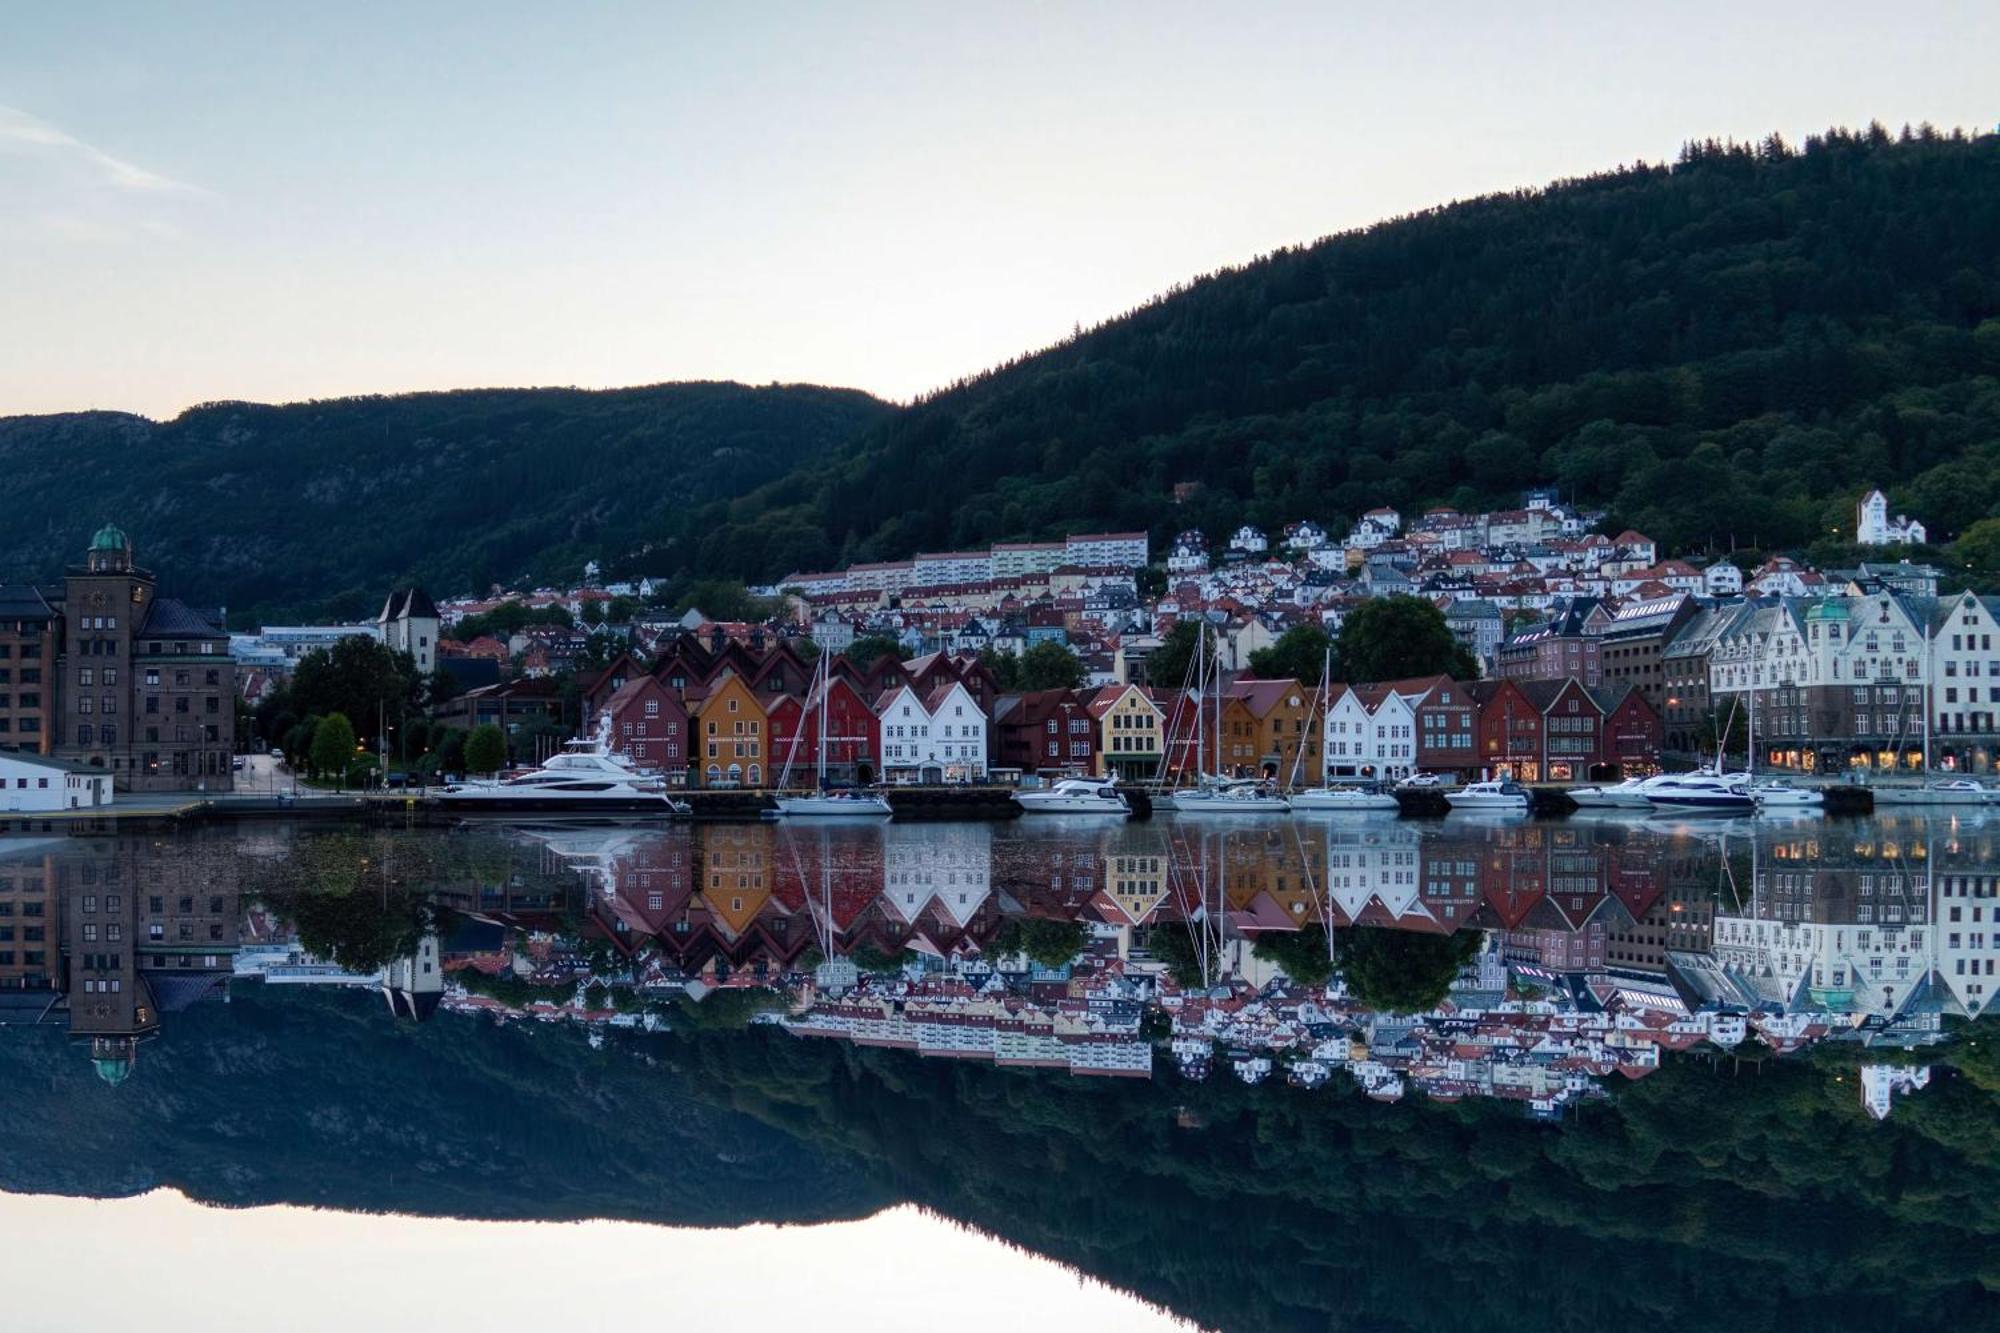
145	684
28	626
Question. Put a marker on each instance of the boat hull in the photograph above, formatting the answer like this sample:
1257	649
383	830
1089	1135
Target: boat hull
1720	803
1047	803
1890	796
1316	803
823	807
1256	805
551	802
1591	798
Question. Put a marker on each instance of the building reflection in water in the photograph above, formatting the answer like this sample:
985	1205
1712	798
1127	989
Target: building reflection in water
1042	944
108	934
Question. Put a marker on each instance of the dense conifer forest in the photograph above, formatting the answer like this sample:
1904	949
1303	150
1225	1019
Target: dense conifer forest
1722	352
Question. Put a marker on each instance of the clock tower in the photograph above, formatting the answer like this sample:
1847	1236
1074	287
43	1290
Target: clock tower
105	600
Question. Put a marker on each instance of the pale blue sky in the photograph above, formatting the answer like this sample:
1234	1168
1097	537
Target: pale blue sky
278	201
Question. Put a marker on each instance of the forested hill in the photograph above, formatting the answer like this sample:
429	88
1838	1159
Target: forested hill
325	505
1734	344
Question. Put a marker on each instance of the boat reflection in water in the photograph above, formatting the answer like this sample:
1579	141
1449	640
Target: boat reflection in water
823	1012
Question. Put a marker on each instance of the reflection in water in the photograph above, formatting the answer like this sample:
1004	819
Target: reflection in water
1276	944
771	979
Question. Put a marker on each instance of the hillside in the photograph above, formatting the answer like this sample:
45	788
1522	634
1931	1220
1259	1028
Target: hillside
324	505
1736	344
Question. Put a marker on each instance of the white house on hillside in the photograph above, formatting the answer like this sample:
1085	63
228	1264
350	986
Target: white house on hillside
1249	541
1874	527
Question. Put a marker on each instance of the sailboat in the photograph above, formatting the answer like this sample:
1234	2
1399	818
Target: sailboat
825	801
1354	798
1217	795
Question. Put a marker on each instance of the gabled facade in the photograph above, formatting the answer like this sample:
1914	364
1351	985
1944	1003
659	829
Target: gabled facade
1049	732
853	736
1572	729
1510	730
1369	733
1130	730
1285	741
1965	685
650	724
729	728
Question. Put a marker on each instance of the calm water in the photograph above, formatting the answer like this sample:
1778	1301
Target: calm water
1251	1074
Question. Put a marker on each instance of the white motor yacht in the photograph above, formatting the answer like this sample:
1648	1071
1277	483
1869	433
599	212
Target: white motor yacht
1359	800
1499	796
1721	793
585	776
1247	796
1075	796
1777	796
1627	795
1945	791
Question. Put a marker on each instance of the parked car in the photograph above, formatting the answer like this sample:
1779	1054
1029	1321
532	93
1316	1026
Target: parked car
277	753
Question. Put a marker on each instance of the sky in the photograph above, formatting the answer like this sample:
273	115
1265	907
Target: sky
277	201
174	1265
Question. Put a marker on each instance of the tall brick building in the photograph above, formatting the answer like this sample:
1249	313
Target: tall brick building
144	684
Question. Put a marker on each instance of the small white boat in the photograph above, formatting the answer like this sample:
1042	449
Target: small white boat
1627	795
1075	796
837	804
1244	797
1499	796
1946	791
1719	793
1344	800
1782	796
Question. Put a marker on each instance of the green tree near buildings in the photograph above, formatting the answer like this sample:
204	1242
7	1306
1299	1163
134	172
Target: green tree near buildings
1051	666
333	747
1005	668
1046	666
869	649
486	749
1302	954
451	751
1400	972
1041	940
507	619
361	678
1168	664
1299	654
1390	638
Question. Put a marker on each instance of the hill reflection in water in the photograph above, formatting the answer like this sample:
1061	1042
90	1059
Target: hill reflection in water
1240	1206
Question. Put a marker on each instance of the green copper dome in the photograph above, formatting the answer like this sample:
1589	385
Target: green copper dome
109	538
